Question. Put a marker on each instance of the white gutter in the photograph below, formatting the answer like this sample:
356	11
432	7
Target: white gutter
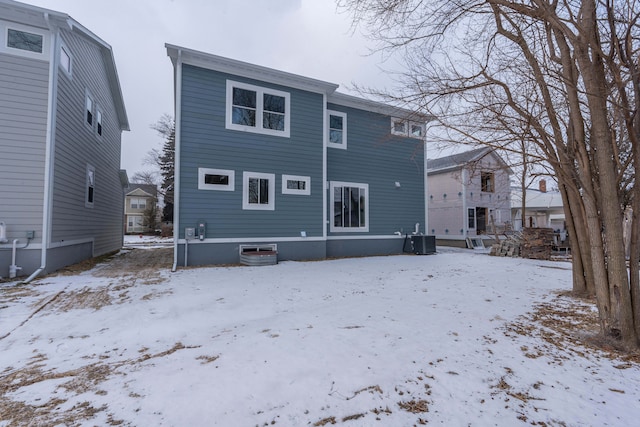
49	151
426	185
176	167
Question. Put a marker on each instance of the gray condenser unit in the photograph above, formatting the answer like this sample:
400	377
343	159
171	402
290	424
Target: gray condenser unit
423	245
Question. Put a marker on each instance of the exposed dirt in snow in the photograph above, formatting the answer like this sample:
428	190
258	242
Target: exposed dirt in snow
562	323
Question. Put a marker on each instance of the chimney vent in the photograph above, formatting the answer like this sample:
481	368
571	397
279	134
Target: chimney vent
543	186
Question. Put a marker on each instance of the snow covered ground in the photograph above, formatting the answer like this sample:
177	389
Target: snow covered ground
456	339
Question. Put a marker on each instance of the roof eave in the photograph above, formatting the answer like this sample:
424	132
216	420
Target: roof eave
378	107
245	69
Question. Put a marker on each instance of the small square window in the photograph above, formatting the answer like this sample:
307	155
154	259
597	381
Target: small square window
295	184
24	40
416	130
337	129
258	191
399	127
216	179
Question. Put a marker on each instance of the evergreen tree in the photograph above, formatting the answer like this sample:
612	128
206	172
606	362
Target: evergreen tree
166	162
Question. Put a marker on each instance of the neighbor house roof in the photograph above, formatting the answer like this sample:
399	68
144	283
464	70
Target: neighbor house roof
51	20
149	189
457	161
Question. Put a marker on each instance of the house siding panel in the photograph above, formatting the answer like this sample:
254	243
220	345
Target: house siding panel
77	145
375	157
206	143
23	116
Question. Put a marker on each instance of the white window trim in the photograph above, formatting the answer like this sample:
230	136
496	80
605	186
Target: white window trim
394	120
422	130
407	128
90	170
332	227
271	206
65	49
306	179
260	91
202	172
99	119
343	144
4	40
88	97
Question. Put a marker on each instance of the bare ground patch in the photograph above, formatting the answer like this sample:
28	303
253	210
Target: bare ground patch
571	325
69	385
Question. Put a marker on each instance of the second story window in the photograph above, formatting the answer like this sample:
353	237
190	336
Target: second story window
487	182
99	122
138	203
337	129
65	60
24	40
256	109
89	110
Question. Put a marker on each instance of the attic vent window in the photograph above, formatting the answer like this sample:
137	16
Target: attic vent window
24	40
402	127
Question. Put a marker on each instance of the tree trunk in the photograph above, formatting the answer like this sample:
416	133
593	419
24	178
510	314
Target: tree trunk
582	277
594	78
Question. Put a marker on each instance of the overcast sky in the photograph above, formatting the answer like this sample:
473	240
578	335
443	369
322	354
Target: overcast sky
306	37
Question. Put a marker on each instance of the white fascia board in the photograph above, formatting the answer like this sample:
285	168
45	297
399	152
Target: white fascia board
245	69
378	107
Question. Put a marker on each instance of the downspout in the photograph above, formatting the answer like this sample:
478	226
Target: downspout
465	218
325	184
176	166
49	151
426	184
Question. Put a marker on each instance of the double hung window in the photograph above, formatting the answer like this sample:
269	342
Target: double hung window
337	129
258	191
257	109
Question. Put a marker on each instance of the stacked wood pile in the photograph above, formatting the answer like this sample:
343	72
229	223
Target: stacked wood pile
533	243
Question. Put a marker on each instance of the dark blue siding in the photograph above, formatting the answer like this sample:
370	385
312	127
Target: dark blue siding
375	157
205	143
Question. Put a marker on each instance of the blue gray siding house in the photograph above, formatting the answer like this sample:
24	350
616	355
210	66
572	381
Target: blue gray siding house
61	119
269	160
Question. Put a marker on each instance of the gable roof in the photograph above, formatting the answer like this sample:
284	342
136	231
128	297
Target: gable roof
51	20
283	78
142	189
457	161
461	160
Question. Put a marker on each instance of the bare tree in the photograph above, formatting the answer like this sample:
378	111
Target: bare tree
566	72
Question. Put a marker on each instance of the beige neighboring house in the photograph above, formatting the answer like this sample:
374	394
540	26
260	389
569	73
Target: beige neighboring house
542	208
468	192
138	199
